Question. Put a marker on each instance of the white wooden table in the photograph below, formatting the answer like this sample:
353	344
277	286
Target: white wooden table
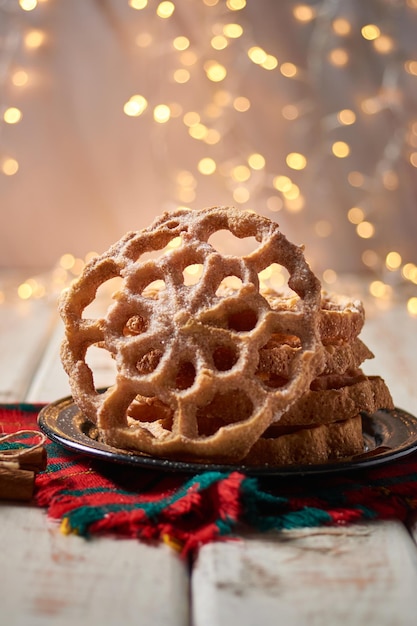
361	574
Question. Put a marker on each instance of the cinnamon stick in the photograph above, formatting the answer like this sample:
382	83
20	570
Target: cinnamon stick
15	483
33	459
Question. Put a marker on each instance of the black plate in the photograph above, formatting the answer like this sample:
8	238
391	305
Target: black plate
388	435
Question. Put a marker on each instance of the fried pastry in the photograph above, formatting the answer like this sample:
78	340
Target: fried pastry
191	344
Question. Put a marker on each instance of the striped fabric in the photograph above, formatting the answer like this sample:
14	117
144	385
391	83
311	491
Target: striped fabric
90	497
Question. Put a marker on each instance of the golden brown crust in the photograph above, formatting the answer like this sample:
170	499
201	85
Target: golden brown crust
276	357
308	446
329	404
341	317
334	398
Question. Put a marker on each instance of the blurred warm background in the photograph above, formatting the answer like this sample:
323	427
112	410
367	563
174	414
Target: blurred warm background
113	111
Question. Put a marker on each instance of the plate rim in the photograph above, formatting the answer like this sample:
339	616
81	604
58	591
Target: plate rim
104	452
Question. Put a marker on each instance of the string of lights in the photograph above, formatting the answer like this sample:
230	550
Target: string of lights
304	111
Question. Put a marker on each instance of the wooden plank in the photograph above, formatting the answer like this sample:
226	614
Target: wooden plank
24	331
49	381
51	579
392	337
361	574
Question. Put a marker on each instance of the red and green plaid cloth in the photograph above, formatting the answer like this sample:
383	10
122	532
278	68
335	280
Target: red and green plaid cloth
91	497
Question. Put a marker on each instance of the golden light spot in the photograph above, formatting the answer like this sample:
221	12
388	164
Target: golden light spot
290	112
206	166
370	32
329	276
274	204
198	131
289	70
138	4
28	5
411	67
378	289
304	13
413	159
407	270
161	113
181	76
341	26
181	43
241	195
20	78
12	115
78	267
186	178
215	71
365	230
270	62
256	161
211	3
241	173
34	39
241	104
233	31
413	276
212	136
191	118
235	5
393	260
340	149
390	180
24	291
412	306
282	183
323	228
355	215
384	44
296	161
219	42
9	166
67	261
346	117
38	289
135	106
292	193
165	9
143	40
370	258
356	179
257	55
338	57
90	256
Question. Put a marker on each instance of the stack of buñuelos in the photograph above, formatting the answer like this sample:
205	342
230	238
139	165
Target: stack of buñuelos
206	372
